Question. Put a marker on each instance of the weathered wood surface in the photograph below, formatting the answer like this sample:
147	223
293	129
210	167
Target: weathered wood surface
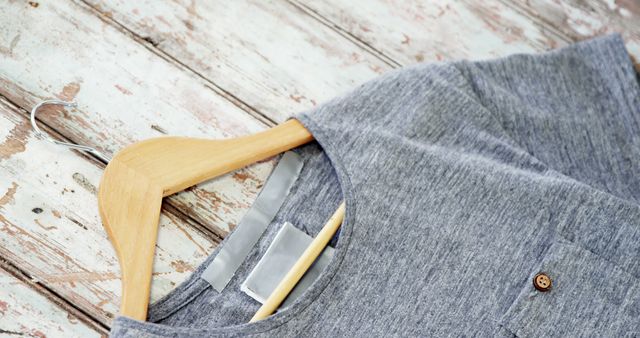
583	19
125	93
26	312
415	31
50	228
269	54
206	69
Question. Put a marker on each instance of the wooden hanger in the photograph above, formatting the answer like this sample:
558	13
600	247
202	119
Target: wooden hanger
140	175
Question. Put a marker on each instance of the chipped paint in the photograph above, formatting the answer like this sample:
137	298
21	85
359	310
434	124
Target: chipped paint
241	177
45	227
69	91
181	266
70	277
123	90
3	307
15	142
8	196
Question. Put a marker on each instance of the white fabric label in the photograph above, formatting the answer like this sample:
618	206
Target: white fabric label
285	249
235	248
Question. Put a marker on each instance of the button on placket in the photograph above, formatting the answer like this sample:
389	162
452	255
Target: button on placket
542	282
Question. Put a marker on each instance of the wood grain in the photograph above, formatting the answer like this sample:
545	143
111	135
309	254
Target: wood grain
26	313
269	54
125	93
49	224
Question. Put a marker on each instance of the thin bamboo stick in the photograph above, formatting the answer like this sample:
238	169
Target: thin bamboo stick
302	265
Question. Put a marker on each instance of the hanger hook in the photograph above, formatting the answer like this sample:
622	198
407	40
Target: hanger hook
42	135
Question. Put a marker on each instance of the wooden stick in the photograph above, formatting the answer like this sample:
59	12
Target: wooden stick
302	265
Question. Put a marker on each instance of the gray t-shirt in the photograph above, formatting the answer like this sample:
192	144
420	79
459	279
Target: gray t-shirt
462	181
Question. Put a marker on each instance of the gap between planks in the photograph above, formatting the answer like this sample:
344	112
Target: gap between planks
54	297
346	34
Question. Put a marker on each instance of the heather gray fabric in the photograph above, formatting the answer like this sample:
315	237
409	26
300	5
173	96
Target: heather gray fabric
462	181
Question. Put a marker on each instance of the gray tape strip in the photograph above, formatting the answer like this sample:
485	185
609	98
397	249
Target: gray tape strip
237	246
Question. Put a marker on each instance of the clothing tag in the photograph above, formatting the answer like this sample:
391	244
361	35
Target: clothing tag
283	252
237	246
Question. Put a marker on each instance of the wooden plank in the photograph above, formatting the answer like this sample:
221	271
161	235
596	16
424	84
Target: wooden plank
125	93
269	54
417	31
50	227
26	312
414	31
584	19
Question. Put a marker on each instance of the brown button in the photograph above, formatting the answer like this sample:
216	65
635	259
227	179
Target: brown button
542	282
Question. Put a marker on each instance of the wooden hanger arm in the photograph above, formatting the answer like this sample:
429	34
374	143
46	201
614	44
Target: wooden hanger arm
177	163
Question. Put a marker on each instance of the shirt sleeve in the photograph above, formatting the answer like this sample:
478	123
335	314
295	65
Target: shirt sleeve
576	109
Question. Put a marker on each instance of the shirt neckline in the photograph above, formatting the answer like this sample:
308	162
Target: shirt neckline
323	282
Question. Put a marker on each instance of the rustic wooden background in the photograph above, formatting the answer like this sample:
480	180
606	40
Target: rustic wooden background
215	69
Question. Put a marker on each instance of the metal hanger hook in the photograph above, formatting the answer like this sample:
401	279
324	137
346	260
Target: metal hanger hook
42	135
